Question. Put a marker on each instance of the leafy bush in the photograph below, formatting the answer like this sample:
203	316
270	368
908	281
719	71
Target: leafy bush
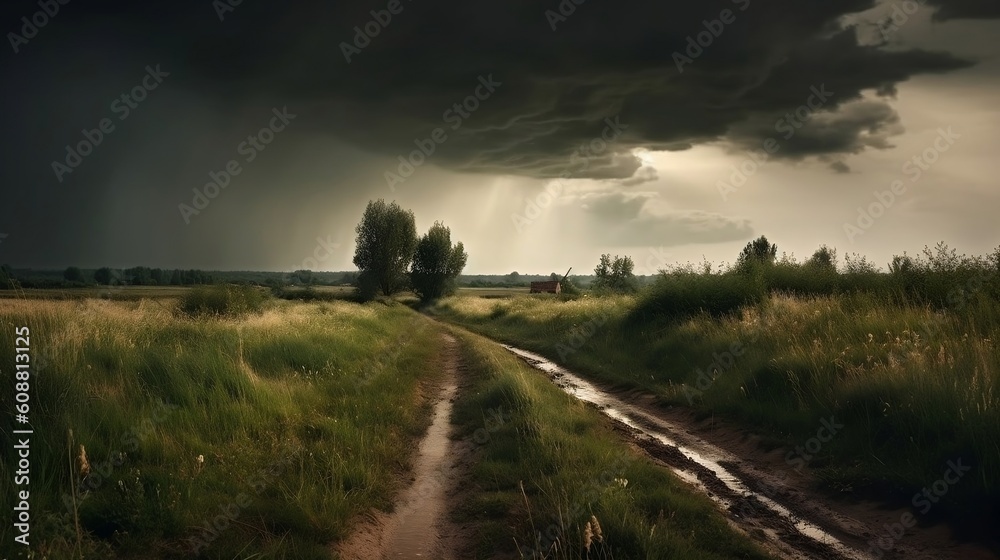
685	293
224	300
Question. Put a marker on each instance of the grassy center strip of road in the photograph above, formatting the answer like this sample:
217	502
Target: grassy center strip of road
551	479
257	435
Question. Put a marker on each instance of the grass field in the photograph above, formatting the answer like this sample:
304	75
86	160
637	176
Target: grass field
134	293
913	387
128	293
547	466
159	435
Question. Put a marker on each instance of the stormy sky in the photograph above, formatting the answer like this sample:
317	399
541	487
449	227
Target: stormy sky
250	134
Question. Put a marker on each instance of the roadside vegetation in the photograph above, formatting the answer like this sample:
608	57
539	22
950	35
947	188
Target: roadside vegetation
552	470
906	360
246	429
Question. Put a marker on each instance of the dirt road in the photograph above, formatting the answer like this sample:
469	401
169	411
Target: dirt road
762	495
419	528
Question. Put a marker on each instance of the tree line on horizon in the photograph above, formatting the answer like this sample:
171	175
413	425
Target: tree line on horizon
391	258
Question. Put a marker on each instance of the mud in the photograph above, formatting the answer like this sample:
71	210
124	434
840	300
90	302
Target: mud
781	509
419	526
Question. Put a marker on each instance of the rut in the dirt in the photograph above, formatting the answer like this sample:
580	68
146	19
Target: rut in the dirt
419	527
794	524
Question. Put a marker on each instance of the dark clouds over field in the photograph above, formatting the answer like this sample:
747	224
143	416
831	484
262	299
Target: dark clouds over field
551	94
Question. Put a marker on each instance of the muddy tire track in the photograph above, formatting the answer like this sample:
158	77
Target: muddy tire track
789	517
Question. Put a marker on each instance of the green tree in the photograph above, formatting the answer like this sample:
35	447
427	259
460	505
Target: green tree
824	257
139	276
901	264
158	276
436	263
387	238
6	276
303	276
103	276
615	275
73	274
759	250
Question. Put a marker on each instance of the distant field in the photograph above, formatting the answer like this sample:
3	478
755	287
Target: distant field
140	292
492	292
102	292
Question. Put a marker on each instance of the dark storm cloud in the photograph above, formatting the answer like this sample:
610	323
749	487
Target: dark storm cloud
840	167
571	101
554	88
852	129
965	9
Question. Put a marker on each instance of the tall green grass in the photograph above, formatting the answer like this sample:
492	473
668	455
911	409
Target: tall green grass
223	300
550	476
915	385
279	427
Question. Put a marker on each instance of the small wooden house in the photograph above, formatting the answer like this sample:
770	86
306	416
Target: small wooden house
548	287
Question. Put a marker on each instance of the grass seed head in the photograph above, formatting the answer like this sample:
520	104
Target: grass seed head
82	463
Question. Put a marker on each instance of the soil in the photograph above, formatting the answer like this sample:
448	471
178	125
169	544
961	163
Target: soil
420	526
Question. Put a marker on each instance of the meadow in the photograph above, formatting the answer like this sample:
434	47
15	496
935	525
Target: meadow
224	422
257	433
907	362
229	424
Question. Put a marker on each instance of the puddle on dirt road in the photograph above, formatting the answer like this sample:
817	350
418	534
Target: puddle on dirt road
706	458
413	531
